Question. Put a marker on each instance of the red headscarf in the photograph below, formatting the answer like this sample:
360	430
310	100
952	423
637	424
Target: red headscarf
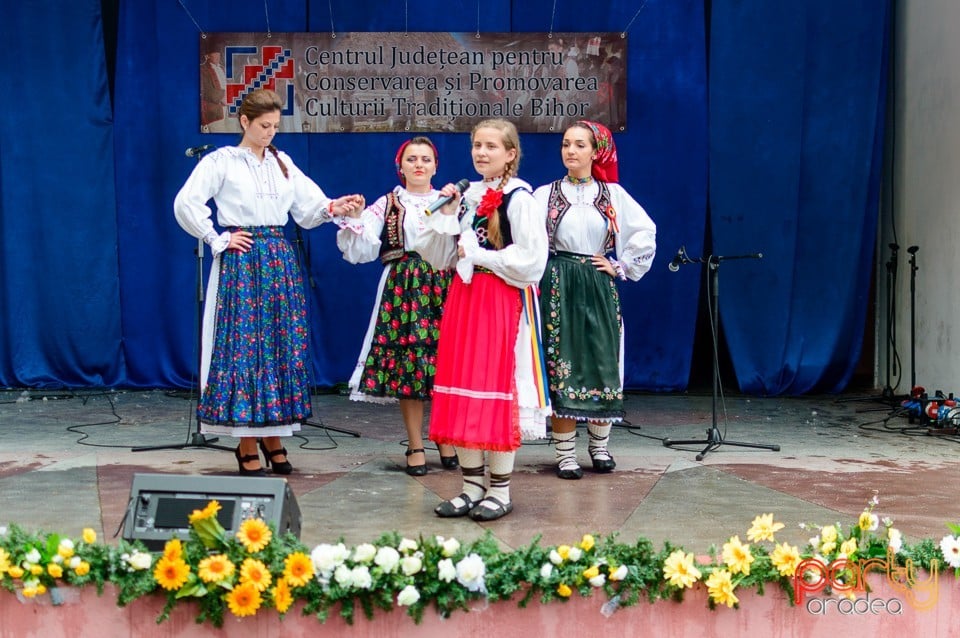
604	168
399	158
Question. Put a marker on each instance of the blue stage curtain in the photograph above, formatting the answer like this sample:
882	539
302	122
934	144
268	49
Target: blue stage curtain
59	291
797	98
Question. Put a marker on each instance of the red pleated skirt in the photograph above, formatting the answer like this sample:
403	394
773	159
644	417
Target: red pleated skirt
474	392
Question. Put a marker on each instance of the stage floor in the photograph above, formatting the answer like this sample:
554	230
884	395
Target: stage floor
67	462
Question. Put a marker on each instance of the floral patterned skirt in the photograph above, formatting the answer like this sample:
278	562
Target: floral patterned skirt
258	369
402	358
580	307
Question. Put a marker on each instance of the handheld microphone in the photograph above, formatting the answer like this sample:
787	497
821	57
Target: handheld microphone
198	150
462	185
678	259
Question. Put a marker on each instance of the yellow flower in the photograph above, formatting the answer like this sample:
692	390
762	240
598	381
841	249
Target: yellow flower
868	521
591	572
55	570
827	548
564	590
564	551
173	549
587	542
680	570
82	569
15	572
254	534
207	512
720	586
29	592
171	574
244	600
41	589
828	534
737	556
89	535
4	561
282	599
848	547
763	528
785	558
214	569
256	573
297	569
36	570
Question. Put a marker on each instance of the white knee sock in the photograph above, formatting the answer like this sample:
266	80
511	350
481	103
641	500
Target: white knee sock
501	468
471	466
599	436
565	444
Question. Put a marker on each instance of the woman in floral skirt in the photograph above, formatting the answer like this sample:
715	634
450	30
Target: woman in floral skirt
398	359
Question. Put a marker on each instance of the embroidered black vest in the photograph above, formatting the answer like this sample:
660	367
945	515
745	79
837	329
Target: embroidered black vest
480	224
557	202
391	237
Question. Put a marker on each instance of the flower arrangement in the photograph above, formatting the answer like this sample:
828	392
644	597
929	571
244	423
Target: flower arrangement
256	569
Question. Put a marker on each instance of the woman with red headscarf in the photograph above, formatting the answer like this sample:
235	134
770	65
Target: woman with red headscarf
598	233
398	359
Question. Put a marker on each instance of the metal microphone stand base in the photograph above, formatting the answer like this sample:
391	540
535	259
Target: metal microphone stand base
714	438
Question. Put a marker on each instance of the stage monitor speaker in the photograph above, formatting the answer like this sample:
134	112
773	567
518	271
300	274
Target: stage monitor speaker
160	505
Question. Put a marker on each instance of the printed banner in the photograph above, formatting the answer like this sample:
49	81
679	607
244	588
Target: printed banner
379	82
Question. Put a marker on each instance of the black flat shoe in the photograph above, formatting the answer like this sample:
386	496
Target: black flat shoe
490	509
449	509
247	459
450	462
278	467
602	461
415	470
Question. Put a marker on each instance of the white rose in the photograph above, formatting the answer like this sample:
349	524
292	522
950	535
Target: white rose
555	557
470	572
57	558
33	556
361	577
387	558
74	562
446	571
575	554
546	571
66	544
450	547
598	580
895	539
364	553
408	596
410	565
141	560
326	557
343	575
407	545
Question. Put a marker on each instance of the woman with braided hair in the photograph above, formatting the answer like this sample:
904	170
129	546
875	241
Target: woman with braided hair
253	377
486	397
398	359
598	233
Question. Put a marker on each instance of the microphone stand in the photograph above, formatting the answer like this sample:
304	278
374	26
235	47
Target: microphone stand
913	315
197	438
714	438
303	257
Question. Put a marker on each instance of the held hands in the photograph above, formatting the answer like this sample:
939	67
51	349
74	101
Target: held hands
348	205
603	264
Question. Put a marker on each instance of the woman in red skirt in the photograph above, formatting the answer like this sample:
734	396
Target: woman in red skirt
489	388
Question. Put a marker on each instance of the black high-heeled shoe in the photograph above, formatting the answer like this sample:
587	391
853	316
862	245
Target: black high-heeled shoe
278	467
243	471
415	470
450	462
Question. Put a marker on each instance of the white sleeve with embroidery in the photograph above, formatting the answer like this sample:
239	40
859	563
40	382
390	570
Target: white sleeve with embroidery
359	238
637	239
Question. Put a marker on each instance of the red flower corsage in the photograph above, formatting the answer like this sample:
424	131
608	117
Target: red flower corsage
490	201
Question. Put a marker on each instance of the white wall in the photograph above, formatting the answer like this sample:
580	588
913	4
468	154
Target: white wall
922	200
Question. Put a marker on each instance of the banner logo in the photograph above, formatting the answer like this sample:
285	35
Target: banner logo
259	68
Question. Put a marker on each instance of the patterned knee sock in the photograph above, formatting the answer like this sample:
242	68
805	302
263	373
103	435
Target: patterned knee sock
599	435
501	468
471	464
565	444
